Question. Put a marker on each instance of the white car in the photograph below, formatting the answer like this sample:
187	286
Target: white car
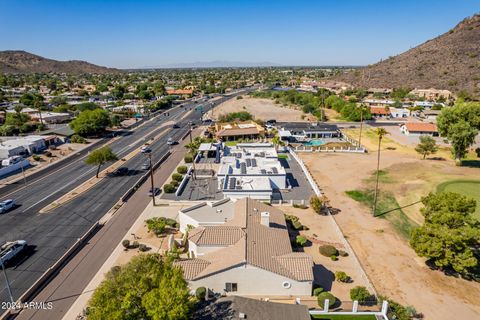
7	205
170	142
10	249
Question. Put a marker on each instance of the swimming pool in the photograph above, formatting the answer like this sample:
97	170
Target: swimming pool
314	143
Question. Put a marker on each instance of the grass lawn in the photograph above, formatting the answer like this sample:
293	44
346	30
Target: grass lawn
344	317
282	156
230	143
469	188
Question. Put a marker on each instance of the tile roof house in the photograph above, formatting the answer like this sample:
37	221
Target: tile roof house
235	308
379	112
238	130
419	128
249	254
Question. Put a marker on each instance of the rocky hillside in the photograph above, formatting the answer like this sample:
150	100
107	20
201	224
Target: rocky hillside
25	62
450	61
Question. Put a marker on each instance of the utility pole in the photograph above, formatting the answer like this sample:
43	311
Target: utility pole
23	173
194	156
361	126
8	284
151	178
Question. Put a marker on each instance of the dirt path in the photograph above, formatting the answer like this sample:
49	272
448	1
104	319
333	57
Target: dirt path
261	109
392	265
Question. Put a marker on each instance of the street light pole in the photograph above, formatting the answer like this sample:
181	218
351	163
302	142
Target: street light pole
8	284
23	173
151	178
361	126
193	162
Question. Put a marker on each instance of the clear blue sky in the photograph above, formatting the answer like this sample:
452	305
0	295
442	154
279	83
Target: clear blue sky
127	34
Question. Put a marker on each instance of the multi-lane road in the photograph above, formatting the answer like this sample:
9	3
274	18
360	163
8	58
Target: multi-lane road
52	234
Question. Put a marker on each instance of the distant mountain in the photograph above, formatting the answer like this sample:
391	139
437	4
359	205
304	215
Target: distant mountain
25	62
216	64
451	61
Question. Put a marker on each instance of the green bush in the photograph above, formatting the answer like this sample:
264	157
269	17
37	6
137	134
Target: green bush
174	183
171	222
48	154
301	241
342	253
200	293
316	204
360	294
135	244
142	247
328	250
300	206
334	258
36	157
188	158
168	188
126	243
177	177
341	276
78	139
182	169
324	296
317	291
156	225
297	225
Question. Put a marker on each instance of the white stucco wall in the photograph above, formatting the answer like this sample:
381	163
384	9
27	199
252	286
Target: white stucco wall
253	281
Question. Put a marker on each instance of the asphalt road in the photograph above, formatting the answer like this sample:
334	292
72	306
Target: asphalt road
51	234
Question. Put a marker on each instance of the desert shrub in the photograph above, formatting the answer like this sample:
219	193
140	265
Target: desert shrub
301	241
182	169
297	225
135	244
171	222
324	296
188	158
36	157
177	177
142	247
328	250
360	294
342	253
126	243
316	204
156	225
78	139
175	183
48	154
341	276
317	291
200	293
239	97
168	188
334	258
300	206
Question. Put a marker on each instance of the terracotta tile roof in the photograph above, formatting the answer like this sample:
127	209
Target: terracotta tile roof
216	235
265	247
379	110
192	267
237	132
421	127
180	91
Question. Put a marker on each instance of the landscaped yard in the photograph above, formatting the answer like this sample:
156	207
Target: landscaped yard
469	188
344	317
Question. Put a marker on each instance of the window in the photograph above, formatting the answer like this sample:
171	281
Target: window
231	287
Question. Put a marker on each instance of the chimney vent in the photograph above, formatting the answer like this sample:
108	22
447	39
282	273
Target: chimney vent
265	218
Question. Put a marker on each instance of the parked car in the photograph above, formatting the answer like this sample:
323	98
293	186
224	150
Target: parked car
145	166
9	250
7	205
171	142
154	191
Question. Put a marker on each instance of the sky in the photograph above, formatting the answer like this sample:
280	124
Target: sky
143	33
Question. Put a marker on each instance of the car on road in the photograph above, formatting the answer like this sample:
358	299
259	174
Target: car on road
122	171
7	205
171	142
154	191
145	166
146	149
175	126
10	250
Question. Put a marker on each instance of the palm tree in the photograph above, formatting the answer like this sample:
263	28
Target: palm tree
380	132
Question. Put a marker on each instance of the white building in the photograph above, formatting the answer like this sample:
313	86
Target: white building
249	254
17	145
251	170
399	112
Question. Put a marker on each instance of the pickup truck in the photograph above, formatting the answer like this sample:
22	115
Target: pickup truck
7	205
9	250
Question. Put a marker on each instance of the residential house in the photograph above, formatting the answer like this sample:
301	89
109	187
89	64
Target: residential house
180	92
301	131
432	94
30	144
380	112
419	128
249	254
399	112
238	130
430	114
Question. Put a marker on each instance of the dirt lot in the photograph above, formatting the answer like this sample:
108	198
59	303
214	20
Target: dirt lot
392	265
262	109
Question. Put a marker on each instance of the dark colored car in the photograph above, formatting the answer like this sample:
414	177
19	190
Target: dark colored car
155	192
122	171
176	126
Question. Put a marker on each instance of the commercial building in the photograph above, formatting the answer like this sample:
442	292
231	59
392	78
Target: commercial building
248	254
17	145
238	130
399	112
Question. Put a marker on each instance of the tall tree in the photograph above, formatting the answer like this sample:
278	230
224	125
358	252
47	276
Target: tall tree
462	136
427	146
450	234
380	132
91	122
100	156
148	287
